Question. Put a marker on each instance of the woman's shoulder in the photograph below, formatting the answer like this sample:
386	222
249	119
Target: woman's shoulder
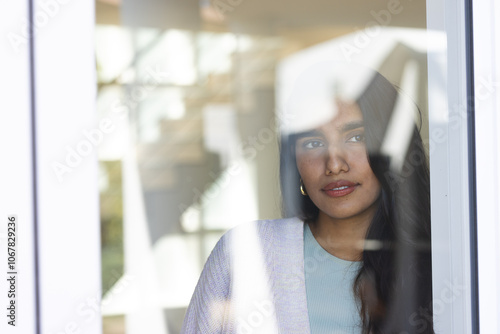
275	239
270	238
286	228
259	233
243	268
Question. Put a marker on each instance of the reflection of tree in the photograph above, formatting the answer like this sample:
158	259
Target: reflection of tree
111	224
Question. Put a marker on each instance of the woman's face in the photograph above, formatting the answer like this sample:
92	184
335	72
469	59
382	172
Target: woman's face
333	163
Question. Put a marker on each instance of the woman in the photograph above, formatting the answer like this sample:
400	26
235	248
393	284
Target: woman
354	256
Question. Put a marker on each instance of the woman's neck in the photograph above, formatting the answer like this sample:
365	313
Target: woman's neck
343	238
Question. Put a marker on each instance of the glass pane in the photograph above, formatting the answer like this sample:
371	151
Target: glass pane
300	127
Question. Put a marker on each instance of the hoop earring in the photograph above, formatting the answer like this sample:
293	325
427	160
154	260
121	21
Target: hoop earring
302	190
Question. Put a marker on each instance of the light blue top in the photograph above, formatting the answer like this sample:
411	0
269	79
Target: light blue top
331	304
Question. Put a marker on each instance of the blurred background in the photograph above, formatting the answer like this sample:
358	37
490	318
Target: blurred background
194	92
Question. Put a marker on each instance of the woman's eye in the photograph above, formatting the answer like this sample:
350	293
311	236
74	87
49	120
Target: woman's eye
312	144
357	138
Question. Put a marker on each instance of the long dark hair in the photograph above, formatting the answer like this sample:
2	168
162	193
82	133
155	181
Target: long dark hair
394	284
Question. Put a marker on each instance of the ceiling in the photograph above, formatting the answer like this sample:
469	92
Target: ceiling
261	16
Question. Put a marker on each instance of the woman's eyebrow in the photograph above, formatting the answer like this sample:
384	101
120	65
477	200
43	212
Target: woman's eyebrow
311	133
351	126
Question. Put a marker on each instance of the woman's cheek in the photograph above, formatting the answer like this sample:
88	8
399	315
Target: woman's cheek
307	164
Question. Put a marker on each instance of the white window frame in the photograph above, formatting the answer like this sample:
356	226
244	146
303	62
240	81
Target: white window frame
486	35
16	169
49	86
68	209
452	203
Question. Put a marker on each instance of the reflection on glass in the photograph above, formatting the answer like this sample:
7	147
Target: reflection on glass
206	110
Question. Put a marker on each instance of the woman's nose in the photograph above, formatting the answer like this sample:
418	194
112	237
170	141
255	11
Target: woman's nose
336	161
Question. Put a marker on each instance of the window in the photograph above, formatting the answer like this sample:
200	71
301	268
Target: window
140	140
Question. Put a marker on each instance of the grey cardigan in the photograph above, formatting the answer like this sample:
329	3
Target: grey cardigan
253	282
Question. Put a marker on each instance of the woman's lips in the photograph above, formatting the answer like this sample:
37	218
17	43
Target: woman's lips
339	188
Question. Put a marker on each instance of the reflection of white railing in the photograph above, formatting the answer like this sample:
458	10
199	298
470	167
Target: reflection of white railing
400	128
142	304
